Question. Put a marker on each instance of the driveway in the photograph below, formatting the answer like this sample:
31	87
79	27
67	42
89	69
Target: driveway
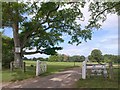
64	79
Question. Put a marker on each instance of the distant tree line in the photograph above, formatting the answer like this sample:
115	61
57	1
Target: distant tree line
59	58
66	58
96	55
35	59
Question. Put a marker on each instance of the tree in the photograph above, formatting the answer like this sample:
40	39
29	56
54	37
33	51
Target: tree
49	21
7	51
99	12
53	58
65	57
44	30
118	59
96	55
60	57
111	58
41	59
82	58
75	58
90	58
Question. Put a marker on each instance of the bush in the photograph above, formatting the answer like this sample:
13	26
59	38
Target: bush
7	54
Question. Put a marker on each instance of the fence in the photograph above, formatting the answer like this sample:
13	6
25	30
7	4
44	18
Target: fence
41	67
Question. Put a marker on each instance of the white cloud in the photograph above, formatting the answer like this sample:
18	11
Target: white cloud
36	55
111	22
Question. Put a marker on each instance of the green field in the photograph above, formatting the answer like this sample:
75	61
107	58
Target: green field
52	67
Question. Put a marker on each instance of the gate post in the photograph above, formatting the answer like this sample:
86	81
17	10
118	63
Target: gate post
37	68
84	70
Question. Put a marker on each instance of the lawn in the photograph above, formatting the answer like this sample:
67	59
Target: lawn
99	81
52	67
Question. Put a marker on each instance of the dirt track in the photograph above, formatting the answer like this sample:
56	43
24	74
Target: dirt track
64	79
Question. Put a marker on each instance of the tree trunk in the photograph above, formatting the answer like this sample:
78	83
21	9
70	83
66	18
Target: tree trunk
17	55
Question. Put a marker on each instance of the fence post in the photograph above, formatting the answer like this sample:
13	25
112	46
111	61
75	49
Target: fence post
84	70
111	70
45	67
24	67
105	72
11	66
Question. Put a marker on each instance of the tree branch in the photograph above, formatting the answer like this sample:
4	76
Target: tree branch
102	13
28	53
26	37
47	16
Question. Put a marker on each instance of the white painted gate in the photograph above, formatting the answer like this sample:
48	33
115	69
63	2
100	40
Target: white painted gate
41	67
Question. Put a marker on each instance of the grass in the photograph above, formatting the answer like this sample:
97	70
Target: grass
52	67
17	74
99	81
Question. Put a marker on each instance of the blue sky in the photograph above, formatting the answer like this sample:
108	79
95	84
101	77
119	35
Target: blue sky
105	39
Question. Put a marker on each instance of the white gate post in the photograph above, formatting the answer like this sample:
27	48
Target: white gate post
37	67
41	67
84	70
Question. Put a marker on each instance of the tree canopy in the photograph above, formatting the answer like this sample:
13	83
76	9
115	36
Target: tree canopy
42	24
96	55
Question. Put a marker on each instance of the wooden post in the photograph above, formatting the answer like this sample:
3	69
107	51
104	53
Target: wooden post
105	72
24	67
11	66
74	63
110	70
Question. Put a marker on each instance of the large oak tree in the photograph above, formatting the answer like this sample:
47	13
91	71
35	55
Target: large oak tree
41	25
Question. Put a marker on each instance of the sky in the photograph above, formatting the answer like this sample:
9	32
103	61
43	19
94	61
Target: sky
105	39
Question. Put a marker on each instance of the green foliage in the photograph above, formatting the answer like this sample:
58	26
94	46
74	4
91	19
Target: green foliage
77	58
111	58
74	58
7	53
96	55
99	11
118	59
82	58
90	58
55	58
65	58
44	29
